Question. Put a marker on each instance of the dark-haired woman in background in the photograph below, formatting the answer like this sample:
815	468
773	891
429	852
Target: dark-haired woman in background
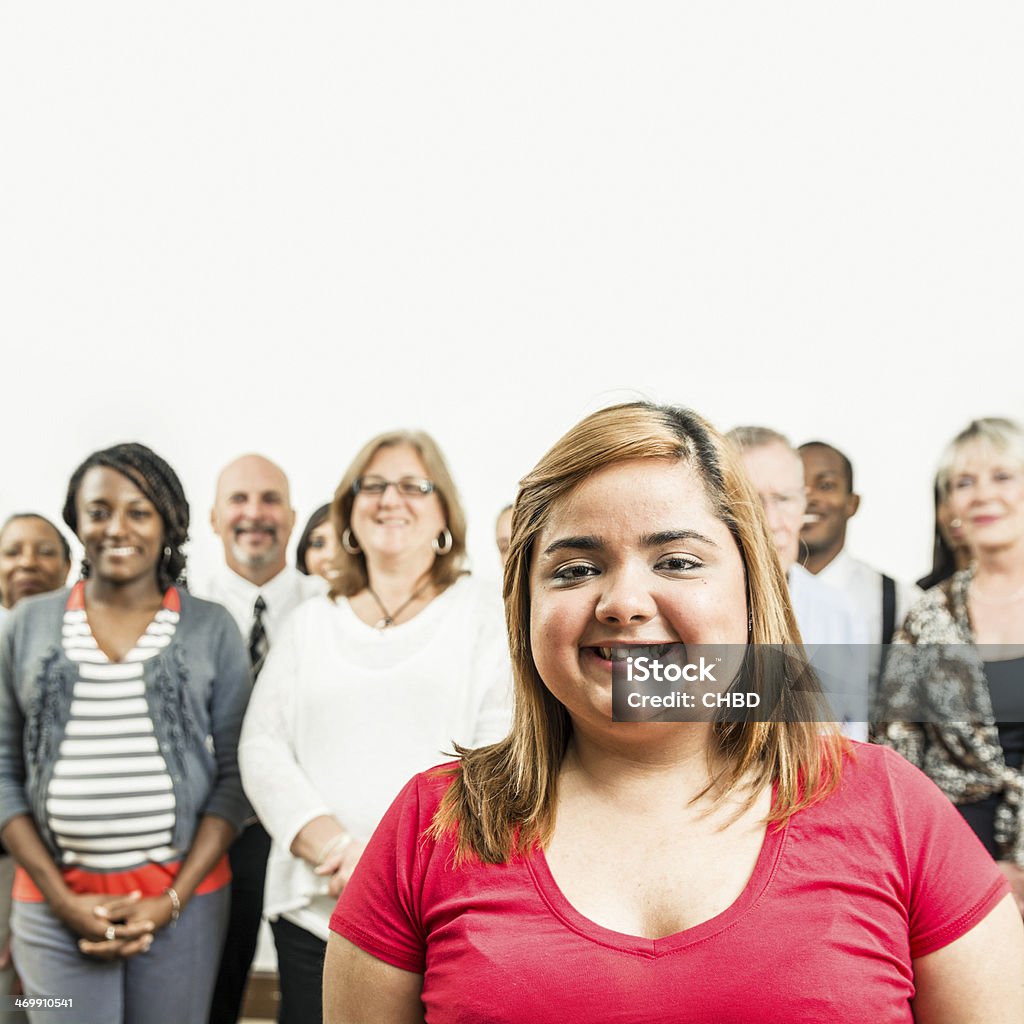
120	706
35	558
318	546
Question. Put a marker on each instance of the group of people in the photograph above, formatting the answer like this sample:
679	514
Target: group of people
179	759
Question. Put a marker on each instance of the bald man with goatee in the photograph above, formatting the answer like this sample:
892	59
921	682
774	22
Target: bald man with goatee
253	516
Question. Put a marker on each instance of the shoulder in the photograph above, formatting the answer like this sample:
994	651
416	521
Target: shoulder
202	610
42	612
931	616
411	814
881	785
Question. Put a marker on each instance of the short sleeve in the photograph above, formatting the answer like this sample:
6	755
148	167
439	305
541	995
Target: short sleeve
379	910
952	881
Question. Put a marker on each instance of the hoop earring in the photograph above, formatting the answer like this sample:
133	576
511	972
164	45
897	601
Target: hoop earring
955	524
349	544
442	543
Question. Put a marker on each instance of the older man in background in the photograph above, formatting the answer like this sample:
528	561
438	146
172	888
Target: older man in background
253	516
828	619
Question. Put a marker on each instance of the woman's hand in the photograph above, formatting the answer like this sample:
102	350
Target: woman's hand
338	866
90	916
1015	876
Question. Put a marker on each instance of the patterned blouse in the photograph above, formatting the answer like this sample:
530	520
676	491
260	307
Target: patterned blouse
937	712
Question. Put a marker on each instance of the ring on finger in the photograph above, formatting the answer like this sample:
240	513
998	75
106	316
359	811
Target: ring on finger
110	934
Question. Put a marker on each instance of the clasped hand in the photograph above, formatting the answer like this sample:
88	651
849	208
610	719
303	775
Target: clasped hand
338	867
115	927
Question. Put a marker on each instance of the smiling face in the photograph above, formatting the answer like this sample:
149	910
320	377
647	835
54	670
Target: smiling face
633	556
392	525
986	493
830	504
777	474
253	517
31	559
119	527
323	546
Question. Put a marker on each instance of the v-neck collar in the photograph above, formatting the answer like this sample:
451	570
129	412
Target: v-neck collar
764	871
76	603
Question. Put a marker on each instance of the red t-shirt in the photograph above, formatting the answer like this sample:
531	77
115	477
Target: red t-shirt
841	900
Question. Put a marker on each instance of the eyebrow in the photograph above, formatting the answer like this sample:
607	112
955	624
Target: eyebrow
647	540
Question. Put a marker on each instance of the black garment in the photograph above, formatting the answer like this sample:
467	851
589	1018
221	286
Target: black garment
300	966
1006	686
248	856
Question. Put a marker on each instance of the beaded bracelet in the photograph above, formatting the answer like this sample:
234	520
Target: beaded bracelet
175	905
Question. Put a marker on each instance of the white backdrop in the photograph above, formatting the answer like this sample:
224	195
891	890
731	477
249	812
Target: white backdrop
232	226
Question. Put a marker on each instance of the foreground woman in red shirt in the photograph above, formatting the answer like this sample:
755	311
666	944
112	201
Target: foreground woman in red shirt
586	869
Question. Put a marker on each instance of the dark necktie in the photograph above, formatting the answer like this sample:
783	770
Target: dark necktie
258	643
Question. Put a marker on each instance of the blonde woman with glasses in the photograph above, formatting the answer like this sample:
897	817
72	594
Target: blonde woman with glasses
405	657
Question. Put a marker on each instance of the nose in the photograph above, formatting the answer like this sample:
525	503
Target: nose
115	523
774	515
625	598
390	495
28	557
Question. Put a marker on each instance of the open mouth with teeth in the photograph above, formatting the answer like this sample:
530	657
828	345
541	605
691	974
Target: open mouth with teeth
122	552
670	651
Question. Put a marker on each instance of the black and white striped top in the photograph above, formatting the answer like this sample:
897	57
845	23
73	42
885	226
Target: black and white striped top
110	803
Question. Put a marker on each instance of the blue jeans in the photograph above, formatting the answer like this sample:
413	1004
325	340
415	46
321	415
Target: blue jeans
171	984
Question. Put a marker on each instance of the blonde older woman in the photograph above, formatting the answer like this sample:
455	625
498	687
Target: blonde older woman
955	679
405	656
586	869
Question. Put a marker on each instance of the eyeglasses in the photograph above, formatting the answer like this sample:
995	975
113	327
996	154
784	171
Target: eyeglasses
408	486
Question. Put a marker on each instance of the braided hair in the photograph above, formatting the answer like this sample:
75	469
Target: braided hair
159	483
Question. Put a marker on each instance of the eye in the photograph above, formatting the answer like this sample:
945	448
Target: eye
678	563
140	513
316	542
961	482
574	573
95	515
826	485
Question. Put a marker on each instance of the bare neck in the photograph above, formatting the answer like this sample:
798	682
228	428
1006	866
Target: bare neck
131	596
817	560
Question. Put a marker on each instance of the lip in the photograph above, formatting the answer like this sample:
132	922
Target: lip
985	520
120	551
596	652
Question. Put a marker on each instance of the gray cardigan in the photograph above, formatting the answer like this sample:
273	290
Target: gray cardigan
197	689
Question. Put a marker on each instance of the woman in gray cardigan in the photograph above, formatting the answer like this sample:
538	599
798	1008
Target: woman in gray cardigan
121	702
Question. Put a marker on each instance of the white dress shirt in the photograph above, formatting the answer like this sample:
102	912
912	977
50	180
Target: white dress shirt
282	595
836	637
863	585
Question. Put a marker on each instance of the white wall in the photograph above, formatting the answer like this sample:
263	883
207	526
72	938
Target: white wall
243	226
